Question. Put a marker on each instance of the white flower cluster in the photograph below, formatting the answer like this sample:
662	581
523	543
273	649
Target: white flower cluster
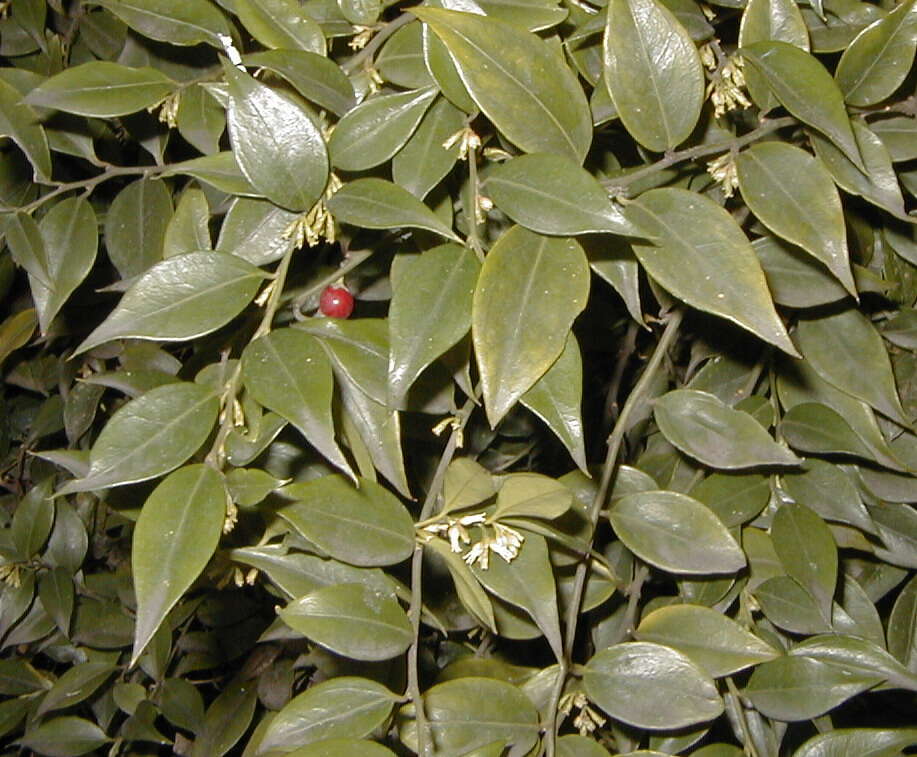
587	719
496	537
727	82
723	170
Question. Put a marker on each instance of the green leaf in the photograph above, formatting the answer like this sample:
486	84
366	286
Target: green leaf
281	24
181	298
467	587
189	227
676	533
342	748
351	620
401	59
135	226
865	742
31	523
102	89
200	119
651	686
857	655
176	534
805	88
178	22
795	278
276	142
793	194
75	685
788	605
379	204
807	550
365	527
574	745
902	627
56	593
430	311
533	15
377	128
466	483
70	235
16	331
254	231
518	81
701	256
227	718
423	161
444	73
879	59
315	77
557	399
715	642
827	490
552	194
64	737
846	350
532	495
530	290
288	372
653	73
799	688
704	427
20	123
899	135
527	582
468	713
770	19
220	170
346	706
814	427
734	498
149	436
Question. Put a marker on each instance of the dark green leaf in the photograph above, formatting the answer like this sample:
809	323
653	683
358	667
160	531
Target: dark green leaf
794	277
807	550
865	742
20	123
135	226
651	686
75	685
826	489
179	22
64	737
317	78
281	24
423	161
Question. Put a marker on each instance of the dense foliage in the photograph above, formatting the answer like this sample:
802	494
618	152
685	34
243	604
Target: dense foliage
615	454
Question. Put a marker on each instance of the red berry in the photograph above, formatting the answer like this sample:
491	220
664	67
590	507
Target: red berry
336	302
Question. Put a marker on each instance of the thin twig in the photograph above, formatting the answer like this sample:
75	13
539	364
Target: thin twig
619	184
420	719
615	439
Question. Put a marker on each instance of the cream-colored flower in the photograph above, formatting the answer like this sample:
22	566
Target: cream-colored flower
723	170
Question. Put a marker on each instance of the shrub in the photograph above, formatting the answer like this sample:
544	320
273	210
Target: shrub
614	455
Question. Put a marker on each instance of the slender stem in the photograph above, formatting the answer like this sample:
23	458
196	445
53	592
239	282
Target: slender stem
376	42
620	184
743	722
615	440
424	743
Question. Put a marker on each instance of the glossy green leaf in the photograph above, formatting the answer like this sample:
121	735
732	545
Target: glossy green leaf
788	605
813	427
343	747
902	627
16	331
827	490
254	231
341	707
866	742
527	582
518	81
401	60
179	22
102	89
876	183
713	641
530	290
189	227
227	719
379	204
176	534
704	427
56	593
770	19
200	119
794	277
899	135
20	123
557	399
468	713
652	686
352	621
574	745
734	498
805	88
288	372
135	226
551	194
466	483
857	655
276	142
701	256
845	349
467	587
532	495
444	72
220	170
281	24
807	550
793	194
423	161
75	685
676	533
430	311
878	60
315	77
799	688
377	128
249	486
365	527
149	436
653	73
64	737
181	298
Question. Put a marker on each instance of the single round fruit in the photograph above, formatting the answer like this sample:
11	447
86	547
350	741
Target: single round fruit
336	302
